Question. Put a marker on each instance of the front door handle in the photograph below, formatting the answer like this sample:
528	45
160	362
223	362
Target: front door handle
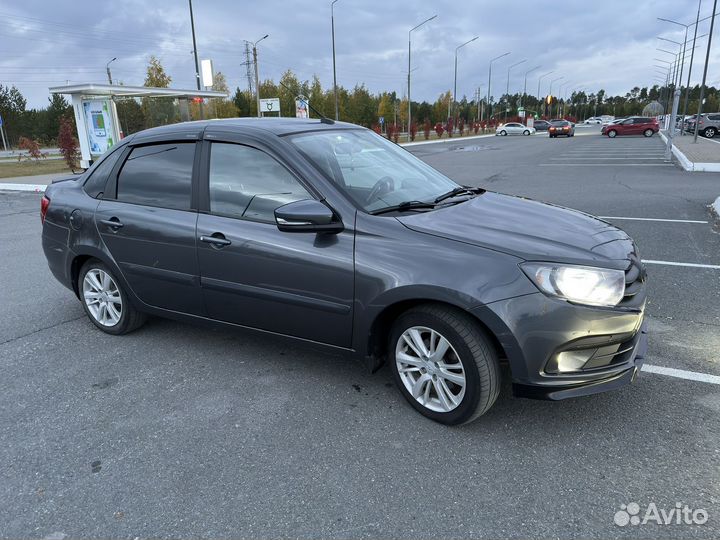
216	239
114	223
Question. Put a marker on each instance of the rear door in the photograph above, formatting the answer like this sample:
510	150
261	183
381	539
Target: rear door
298	284
147	220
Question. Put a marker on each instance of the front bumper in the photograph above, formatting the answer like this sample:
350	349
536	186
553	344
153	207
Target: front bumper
534	330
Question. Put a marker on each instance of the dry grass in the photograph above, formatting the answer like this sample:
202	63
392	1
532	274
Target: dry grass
31	168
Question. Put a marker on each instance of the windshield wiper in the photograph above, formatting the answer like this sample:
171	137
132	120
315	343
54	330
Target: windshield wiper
460	190
403	206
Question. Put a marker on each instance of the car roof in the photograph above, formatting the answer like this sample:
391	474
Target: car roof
276	126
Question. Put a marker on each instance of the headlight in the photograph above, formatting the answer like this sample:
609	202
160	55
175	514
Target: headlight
580	284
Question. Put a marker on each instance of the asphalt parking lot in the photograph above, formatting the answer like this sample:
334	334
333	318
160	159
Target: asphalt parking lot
180	431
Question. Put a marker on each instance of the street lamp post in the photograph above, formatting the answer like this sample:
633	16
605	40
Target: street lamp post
707	58
490	82
550	90
692	57
678	62
197	65
257	75
540	79
507	86
525	83
682	64
107	68
454	99
332	24
409	69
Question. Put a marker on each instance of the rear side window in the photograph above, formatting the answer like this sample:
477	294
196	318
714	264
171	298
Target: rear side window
714	117
158	175
95	184
248	183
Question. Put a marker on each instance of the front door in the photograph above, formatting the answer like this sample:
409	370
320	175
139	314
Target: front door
298	284
148	226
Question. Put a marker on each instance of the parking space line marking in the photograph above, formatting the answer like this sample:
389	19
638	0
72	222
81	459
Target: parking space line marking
606	164
691	265
682	374
655	219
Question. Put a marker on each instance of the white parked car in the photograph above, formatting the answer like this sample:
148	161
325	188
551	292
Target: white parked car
514	128
593	120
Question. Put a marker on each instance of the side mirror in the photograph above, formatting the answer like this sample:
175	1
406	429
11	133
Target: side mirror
307	215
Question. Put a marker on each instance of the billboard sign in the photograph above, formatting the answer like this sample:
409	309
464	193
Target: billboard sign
208	75
99	125
301	107
270	105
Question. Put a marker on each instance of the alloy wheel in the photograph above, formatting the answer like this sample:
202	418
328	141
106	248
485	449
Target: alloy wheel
102	297
430	369
710	133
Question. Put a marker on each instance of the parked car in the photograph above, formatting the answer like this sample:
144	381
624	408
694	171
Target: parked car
326	232
708	125
541	125
593	120
514	128
561	127
634	125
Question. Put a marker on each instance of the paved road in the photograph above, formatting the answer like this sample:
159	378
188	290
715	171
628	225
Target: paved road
179	431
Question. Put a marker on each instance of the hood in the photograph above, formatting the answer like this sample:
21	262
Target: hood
527	229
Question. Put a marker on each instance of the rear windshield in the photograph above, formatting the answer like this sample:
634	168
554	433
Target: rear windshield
559	123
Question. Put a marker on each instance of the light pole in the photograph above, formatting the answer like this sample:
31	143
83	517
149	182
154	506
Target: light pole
507	86
692	57
257	75
409	69
454	99
197	65
559	95
525	84
540	79
550	91
682	64
332	23
707	58
490	82
107	68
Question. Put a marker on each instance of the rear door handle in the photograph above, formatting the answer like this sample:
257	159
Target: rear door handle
216	239
113	223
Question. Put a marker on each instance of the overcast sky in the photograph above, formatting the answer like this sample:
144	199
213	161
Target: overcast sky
606	44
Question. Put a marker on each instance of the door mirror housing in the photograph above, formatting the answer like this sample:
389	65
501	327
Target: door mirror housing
307	215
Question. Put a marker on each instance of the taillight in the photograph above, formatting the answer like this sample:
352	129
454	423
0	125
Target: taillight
44	205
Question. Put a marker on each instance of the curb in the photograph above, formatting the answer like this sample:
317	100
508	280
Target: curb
688	165
715	210
37	188
446	140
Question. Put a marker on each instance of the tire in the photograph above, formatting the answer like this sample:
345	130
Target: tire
709	132
503	133
468	348
114	317
552	136
612	133
648	132
526	132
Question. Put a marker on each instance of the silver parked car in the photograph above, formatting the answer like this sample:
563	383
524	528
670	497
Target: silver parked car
514	128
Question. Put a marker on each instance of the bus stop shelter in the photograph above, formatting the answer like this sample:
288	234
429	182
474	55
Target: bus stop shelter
96	117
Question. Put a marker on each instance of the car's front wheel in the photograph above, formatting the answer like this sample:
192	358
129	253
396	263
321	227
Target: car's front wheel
443	364
526	132
104	300
503	133
648	132
612	133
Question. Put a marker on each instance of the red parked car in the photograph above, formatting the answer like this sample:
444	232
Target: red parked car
635	125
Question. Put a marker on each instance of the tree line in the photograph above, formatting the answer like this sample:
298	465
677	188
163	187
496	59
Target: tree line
357	105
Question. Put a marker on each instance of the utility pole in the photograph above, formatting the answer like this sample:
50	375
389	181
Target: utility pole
707	58
490	82
454	99
507	87
332	23
692	57
257	75
107	68
197	65
408	75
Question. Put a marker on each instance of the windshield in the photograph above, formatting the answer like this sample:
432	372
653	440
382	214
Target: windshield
374	172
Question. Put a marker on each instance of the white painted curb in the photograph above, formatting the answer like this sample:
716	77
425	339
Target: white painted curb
447	140
37	188
715	208
688	165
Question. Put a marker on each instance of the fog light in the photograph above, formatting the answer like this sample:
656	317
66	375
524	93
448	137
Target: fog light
568	361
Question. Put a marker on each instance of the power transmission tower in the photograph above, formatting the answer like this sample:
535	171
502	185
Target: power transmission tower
249	68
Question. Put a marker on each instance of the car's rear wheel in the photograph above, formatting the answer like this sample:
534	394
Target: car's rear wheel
612	133
503	133
104	300
648	132
443	364
709	132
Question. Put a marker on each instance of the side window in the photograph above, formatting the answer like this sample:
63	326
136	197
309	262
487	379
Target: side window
95	184
158	175
248	183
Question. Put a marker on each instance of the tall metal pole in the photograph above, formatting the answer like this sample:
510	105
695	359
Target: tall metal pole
707	58
454	99
408	88
692	57
332	22
507	86
257	81
525	84
490	83
107	68
197	65
540	79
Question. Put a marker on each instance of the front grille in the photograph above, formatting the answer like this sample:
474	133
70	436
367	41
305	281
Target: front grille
634	283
